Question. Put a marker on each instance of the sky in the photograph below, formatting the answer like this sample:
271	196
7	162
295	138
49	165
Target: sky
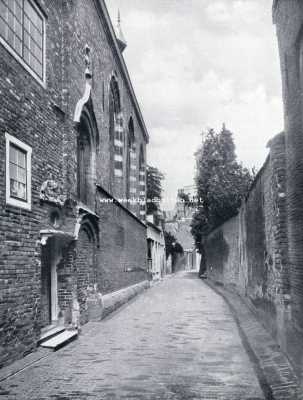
195	64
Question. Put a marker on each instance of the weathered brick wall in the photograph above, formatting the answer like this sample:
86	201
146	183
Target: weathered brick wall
249	252
122	256
219	248
86	272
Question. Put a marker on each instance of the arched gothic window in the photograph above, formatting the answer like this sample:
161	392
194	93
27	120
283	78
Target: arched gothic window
141	158
142	183
116	139
131	169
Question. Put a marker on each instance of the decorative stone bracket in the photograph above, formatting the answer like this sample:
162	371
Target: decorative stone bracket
88	86
52	192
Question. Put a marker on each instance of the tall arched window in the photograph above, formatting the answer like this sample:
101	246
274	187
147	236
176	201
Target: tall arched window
131	168
142	183
84	162
116	139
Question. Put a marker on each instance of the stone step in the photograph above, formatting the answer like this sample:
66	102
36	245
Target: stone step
48	334
60	340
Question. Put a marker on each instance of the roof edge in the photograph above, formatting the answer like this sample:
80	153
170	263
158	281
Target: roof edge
105	13
274	9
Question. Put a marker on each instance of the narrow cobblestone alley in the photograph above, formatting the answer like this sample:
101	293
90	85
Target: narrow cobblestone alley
178	340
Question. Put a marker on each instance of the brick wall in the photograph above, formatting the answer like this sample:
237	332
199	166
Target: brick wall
249	252
122	256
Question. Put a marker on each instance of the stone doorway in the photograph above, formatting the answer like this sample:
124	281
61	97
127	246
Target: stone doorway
51	256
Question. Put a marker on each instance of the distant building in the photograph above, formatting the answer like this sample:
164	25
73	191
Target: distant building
72	150
178	224
155	249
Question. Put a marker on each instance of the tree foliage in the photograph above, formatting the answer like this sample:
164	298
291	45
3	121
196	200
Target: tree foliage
221	181
171	245
154	179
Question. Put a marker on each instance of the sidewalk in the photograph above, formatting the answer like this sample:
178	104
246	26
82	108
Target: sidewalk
273	368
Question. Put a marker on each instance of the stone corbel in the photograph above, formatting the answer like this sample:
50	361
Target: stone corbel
82	102
88	86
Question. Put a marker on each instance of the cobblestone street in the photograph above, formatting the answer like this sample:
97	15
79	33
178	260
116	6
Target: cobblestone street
178	340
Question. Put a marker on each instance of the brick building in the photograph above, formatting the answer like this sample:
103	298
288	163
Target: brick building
72	149
156	255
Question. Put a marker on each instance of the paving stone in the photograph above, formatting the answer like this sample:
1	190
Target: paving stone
176	341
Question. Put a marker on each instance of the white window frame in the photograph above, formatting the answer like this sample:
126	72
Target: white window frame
24	147
20	59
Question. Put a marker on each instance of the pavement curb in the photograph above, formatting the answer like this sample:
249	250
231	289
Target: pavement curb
275	373
25	362
115	300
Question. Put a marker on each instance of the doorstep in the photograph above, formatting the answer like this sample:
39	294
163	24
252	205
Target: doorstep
59	340
49	332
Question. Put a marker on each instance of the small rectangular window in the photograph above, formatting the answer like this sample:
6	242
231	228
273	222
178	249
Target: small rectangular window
22	29
18	173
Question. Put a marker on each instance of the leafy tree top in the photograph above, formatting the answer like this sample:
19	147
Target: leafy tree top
171	244
221	182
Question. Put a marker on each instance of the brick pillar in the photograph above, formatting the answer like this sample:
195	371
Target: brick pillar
278	188
288	17
281	269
